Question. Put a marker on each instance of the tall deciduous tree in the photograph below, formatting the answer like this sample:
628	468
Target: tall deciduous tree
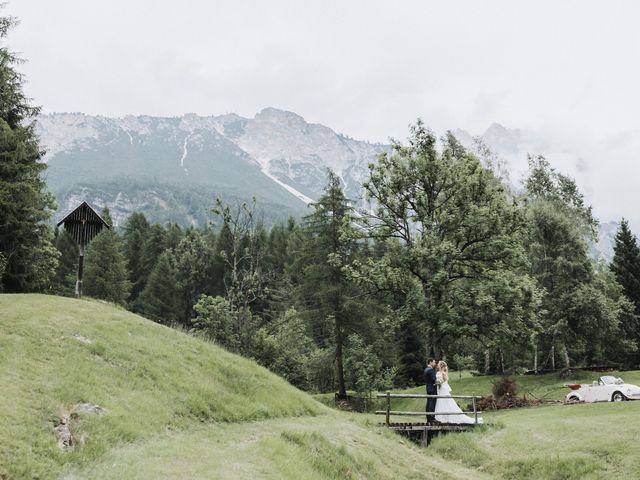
447	226
240	250
560	223
25	205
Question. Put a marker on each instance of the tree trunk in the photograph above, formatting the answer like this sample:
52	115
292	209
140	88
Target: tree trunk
80	271
430	345
535	358
342	391
553	358
502	361
565	352
487	362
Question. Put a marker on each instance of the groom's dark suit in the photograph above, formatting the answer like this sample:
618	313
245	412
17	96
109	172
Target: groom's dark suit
430	381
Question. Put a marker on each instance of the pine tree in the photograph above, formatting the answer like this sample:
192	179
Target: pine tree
174	235
626	263
136	231
106	267
193	263
153	246
326	293
159	299
67	271
25	205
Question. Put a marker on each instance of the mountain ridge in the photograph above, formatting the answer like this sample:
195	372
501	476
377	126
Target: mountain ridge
278	153
173	168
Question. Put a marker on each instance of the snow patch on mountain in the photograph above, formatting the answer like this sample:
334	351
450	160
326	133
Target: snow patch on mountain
184	153
288	188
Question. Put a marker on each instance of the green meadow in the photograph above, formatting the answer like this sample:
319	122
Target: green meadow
179	407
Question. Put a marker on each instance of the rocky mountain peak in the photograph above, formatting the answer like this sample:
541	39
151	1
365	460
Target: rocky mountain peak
496	129
275	115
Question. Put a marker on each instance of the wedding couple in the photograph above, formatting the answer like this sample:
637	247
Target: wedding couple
437	380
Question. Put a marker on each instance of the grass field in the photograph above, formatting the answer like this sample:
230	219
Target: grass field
588	441
178	407
547	387
552	441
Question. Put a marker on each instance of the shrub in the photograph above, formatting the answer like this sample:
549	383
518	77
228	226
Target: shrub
215	320
505	387
363	368
322	372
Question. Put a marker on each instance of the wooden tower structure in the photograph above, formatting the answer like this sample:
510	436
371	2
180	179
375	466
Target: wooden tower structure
83	224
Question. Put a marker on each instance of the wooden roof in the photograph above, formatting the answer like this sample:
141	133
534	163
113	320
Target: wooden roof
83	224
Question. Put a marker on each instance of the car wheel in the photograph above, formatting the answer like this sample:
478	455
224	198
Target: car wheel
574	399
617	397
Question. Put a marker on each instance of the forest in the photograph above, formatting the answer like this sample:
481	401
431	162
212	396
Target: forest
442	257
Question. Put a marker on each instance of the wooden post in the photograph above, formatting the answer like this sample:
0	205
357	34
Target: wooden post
388	406
475	410
424	441
80	271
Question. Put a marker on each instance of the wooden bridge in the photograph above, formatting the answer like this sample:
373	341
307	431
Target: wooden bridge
426	429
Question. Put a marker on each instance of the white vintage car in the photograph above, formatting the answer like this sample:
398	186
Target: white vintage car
606	389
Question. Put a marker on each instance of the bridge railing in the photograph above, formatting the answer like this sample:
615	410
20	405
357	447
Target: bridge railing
388	412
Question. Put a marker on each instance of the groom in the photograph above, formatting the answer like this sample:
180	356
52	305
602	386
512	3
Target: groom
430	380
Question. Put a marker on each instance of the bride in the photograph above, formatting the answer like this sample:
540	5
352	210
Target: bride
448	405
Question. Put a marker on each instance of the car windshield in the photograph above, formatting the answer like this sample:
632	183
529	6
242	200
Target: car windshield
608	380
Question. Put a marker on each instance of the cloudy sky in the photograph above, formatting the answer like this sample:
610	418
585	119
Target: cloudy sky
567	72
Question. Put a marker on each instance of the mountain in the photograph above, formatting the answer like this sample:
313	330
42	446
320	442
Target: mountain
173	168
509	148
602	249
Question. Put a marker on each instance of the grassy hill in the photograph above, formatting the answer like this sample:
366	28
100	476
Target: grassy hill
176	406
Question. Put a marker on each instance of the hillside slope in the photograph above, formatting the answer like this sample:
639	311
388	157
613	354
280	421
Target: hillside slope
175	406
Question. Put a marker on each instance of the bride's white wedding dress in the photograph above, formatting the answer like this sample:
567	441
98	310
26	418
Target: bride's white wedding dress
449	405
